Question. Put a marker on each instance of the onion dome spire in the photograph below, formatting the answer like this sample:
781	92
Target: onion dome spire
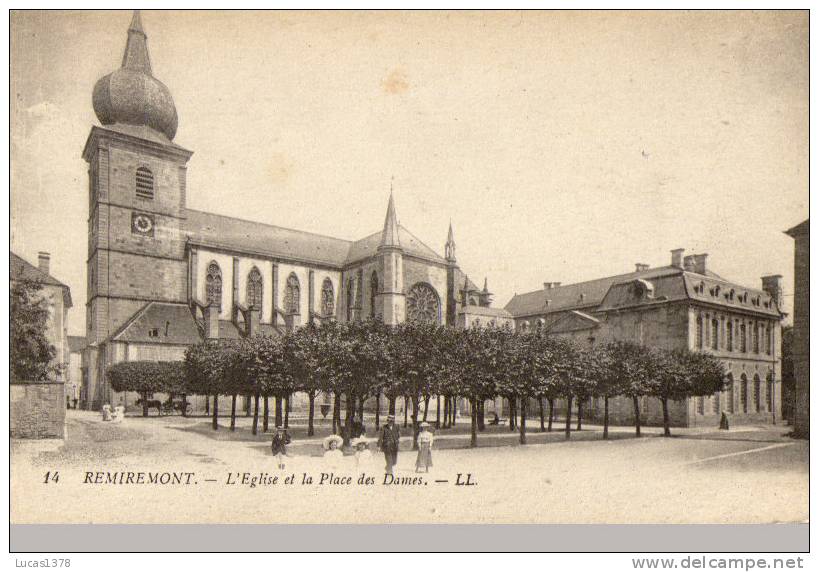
131	96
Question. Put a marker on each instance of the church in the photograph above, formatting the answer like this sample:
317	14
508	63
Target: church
162	276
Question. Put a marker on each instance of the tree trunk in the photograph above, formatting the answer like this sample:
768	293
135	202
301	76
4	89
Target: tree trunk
523	420
416	410
426	407
233	413
361	409
278	411
406	410
311	412
215	411
266	415
348	414
666	420
391	410
287	411
446	412
145	404
569	417
378	410
606	417
513	412
256	414
207	405
454	409
184	405
438	412
636	402
247	405
336	413
579	414
542	420
474	440
481	415
551	413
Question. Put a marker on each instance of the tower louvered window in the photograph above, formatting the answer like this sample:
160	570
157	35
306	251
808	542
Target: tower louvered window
144	183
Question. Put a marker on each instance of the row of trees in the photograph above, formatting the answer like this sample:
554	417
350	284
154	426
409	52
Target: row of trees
357	361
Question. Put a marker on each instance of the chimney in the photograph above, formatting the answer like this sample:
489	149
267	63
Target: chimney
211	315
688	263
677	257
700	263
44	262
550	285
773	285
640	267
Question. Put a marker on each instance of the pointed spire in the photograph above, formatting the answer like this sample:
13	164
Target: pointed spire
485	285
389	236
136	50
449	249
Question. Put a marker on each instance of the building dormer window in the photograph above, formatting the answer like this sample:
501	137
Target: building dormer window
144	183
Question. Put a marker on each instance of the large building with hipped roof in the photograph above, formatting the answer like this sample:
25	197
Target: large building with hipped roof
162	276
682	305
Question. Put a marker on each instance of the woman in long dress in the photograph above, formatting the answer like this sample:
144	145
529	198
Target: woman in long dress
425	439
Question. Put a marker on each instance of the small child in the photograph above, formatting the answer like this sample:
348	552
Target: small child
279	445
363	455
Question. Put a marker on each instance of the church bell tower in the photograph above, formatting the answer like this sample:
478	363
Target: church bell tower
137	180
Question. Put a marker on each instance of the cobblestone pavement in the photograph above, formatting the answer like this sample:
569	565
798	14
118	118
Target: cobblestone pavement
746	475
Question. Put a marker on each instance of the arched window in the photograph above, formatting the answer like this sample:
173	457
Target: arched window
729	336
743	344
213	285
757	393
769	391
328	298
374	294
254	289
423	304
714	334
477	323
699	332
755	337
743	393
350	299
144	183
768	339
729	401
292	295
524	326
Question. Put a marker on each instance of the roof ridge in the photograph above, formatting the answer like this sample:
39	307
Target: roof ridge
131	320
244	220
38	271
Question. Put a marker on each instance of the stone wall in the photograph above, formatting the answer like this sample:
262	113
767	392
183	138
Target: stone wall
37	410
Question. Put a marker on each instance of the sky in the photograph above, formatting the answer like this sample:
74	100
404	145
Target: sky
563	146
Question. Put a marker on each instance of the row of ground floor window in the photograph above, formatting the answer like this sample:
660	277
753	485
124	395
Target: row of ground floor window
746	400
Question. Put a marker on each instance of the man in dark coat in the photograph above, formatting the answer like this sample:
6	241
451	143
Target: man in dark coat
388	442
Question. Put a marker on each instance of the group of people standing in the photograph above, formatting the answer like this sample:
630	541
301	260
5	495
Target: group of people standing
388	441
